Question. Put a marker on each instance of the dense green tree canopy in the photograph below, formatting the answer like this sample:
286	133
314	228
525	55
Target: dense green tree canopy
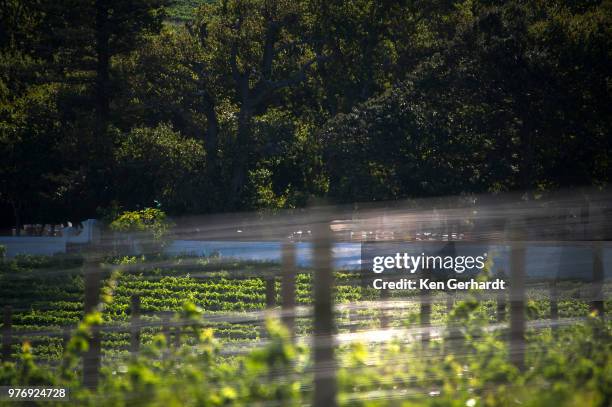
249	104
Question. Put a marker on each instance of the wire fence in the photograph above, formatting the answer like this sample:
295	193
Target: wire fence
562	222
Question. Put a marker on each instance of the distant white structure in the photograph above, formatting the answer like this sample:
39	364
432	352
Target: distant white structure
89	233
49	245
542	261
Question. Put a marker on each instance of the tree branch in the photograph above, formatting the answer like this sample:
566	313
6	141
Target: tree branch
266	87
268	48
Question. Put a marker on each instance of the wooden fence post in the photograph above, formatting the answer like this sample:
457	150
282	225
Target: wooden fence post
425	295
384	317
91	358
135	325
288	286
592	230
325	386
7	333
501	301
597	301
177	335
66	334
501	306
554	305
425	312
517	304
353	317
270	291
450	250
166	327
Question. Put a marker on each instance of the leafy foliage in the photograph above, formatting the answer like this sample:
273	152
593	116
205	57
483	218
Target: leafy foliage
184	10
149	220
253	104
572	365
159	166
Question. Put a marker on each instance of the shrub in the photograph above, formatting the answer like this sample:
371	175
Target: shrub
150	224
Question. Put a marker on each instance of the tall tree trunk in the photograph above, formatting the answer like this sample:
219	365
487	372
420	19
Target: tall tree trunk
211	141
102	74
371	42
243	142
98	166
526	166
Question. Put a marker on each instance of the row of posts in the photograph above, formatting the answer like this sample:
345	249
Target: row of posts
323	343
325	386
